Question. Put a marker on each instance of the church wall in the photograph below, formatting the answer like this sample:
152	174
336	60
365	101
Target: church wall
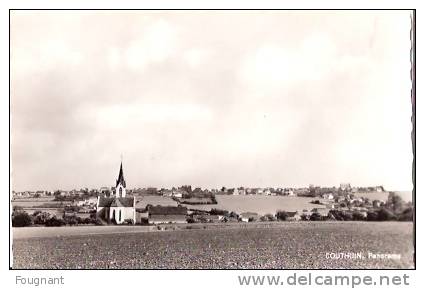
126	213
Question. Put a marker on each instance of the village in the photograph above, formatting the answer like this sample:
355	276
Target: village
151	206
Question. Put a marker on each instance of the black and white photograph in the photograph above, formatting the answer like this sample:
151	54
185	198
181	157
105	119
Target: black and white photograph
212	139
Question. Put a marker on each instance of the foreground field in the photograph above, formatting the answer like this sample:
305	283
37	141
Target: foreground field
286	245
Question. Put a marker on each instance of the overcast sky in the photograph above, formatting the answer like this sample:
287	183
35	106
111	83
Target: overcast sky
210	98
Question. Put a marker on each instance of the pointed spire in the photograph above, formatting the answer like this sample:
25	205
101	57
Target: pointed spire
121	179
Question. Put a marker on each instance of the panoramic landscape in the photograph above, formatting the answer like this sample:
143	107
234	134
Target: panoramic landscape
227	228
219	140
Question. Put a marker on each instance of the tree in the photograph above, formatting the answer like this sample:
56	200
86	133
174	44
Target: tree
406	215
40	217
281	215
21	219
395	203
221	212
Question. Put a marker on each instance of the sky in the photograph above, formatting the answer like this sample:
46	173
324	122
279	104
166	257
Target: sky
211	99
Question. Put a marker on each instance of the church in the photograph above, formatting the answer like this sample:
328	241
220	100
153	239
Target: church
117	208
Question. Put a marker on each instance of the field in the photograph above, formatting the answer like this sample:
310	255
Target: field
259	204
381	196
30	202
280	245
143	201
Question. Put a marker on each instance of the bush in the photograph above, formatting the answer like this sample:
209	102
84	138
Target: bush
372	216
54	222
357	216
315	217
71	220
96	222
21	219
86	221
386	215
128	222
190	220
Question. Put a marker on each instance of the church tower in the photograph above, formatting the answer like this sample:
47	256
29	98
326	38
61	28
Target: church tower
120	184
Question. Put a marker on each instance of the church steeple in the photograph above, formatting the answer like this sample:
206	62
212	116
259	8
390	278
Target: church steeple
120	179
120	183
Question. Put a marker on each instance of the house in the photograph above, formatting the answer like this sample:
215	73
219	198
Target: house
178	193
293	216
248	217
328	196
117	208
167	214
207	218
86	202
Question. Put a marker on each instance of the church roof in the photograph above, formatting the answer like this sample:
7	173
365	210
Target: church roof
105	201
116	202
121	179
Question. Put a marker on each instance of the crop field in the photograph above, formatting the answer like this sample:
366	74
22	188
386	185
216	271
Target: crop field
259	204
284	245
143	201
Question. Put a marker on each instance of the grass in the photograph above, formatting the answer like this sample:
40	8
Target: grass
289	245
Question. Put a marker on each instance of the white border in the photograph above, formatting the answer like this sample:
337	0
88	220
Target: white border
175	279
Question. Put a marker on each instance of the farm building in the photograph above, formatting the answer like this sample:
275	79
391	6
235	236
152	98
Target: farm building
167	214
248	217
142	216
293	216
